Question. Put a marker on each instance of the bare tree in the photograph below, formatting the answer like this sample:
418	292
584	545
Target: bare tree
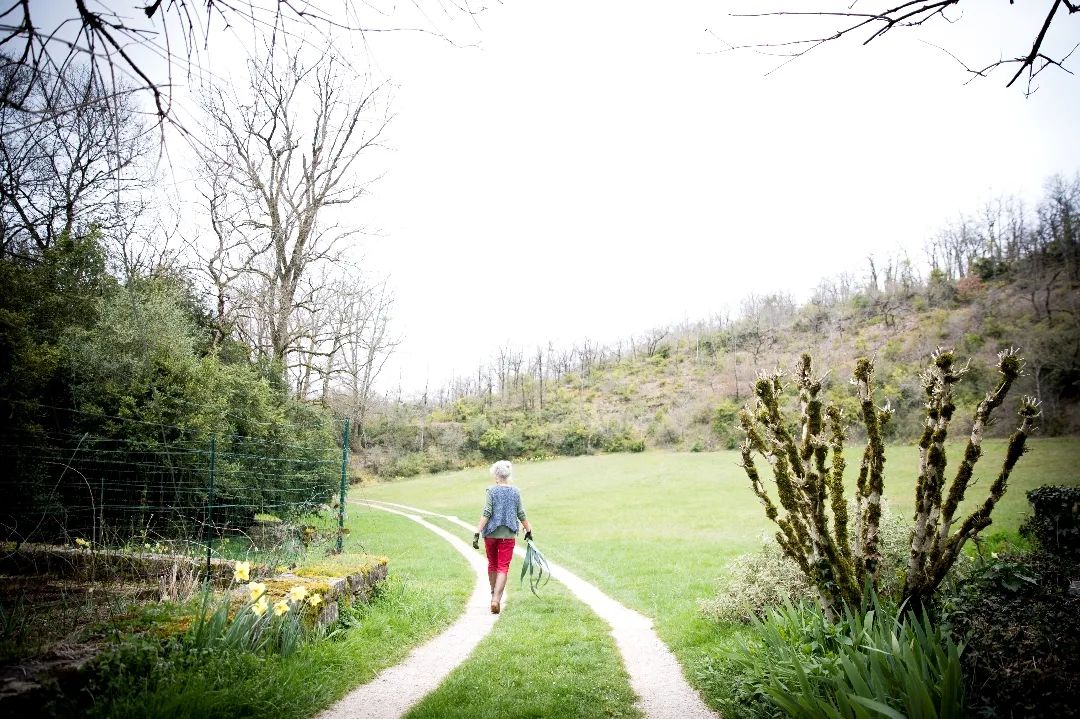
651	341
232	251
69	161
289	153
147	49
367	346
871	23
538	365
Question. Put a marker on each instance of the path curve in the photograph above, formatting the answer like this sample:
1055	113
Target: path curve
397	689
655	674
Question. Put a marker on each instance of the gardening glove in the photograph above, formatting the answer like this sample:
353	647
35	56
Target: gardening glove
476	540
528	536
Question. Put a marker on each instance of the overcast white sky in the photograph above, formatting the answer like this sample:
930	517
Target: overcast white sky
593	169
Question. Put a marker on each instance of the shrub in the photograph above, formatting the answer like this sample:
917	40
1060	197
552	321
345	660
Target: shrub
725	424
1055	520
755	583
492	443
665	432
768	578
576	440
868	663
1022	632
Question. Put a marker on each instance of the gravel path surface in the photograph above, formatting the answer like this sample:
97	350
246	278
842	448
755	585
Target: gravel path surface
655	675
396	689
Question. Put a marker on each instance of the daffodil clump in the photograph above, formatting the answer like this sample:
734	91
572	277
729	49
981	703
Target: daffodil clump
263	624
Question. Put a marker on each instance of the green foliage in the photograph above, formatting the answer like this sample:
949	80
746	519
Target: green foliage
493	443
222	625
1022	629
119	375
725	424
42	301
576	439
1055	519
870	663
987	268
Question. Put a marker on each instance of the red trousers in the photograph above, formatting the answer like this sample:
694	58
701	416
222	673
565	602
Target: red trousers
499	552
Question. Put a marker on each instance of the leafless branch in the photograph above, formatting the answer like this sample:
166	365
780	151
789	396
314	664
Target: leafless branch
910	14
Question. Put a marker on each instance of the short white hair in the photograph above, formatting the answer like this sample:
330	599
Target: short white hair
502	469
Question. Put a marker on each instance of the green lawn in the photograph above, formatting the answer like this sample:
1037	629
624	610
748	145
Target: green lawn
548	656
656	530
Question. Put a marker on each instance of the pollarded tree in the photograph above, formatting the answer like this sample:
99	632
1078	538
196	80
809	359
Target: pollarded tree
808	469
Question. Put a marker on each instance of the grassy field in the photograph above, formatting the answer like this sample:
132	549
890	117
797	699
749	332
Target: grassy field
656	530
548	656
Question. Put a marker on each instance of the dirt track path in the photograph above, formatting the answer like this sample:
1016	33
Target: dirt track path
396	689
655	675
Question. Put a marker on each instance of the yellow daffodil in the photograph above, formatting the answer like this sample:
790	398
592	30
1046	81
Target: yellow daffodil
256	590
260	606
80	542
280	607
297	594
315	600
242	571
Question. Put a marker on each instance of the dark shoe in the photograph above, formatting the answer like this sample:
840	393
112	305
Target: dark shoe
494	607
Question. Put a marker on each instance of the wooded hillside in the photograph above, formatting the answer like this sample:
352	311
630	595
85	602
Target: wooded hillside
1008	276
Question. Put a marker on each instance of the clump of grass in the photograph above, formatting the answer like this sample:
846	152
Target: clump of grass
873	663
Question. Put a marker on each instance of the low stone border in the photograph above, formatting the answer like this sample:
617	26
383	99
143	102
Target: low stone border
357	586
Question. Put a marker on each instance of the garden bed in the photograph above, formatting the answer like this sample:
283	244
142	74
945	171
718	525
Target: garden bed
61	606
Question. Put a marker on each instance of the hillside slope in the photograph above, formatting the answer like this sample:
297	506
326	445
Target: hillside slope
682	388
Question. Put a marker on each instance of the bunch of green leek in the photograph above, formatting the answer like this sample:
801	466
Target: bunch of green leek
535	566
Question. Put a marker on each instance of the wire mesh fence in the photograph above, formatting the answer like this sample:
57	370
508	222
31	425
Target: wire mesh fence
132	482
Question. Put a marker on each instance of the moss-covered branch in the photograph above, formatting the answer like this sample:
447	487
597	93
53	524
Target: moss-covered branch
1009	365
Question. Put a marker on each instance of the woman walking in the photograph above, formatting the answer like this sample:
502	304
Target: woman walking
503	512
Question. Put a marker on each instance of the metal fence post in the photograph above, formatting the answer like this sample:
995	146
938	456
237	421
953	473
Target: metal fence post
210	504
344	480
